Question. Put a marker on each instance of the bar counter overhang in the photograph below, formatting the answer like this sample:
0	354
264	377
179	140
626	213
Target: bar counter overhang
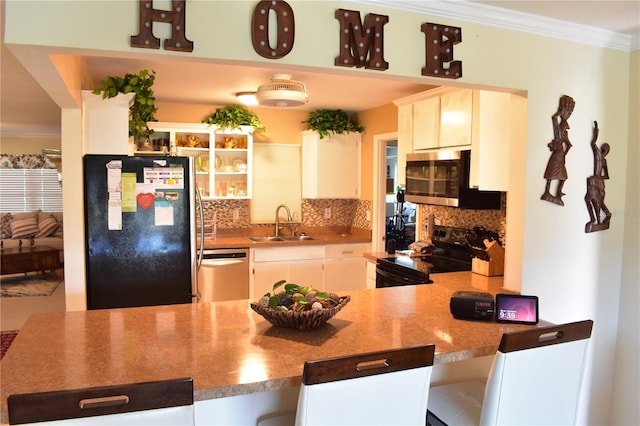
230	350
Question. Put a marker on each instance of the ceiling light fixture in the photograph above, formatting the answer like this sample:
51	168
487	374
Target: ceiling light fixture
247	98
282	91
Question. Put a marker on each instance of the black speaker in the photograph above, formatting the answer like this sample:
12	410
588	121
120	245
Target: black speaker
472	305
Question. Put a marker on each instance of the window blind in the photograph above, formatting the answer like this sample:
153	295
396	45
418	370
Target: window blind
25	190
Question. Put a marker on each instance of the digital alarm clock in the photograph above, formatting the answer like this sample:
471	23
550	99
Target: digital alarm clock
515	308
471	305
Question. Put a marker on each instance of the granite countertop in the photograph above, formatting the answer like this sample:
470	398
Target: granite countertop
228	349
237	238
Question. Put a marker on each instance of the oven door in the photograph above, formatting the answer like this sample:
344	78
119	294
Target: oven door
388	277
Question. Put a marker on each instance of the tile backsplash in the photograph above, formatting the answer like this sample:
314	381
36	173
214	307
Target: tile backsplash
344	213
353	213
492	220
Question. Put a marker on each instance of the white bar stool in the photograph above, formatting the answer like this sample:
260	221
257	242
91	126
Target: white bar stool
535	378
166	402
377	388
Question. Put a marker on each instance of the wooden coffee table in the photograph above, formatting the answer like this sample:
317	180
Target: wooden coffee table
42	258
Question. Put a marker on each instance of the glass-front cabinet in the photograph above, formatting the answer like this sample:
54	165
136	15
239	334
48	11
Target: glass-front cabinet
222	157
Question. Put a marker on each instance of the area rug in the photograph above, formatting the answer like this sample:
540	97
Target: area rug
6	339
21	285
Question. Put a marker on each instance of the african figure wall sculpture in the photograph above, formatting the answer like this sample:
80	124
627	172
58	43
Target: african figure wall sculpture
559	146
595	186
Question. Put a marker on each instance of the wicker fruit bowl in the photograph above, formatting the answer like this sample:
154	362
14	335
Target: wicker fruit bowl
299	307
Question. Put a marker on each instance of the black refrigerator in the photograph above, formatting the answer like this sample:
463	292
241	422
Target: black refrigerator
139	231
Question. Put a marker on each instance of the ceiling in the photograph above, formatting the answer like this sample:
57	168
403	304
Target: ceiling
27	109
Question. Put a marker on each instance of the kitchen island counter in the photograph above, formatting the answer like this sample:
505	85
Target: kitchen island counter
230	350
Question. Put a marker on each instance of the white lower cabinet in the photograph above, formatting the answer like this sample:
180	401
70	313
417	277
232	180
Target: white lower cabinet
345	267
334	267
371	274
300	265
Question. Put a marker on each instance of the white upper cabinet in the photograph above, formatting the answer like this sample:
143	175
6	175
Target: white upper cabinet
223	157
485	122
105	124
499	122
331	165
426	123
455	119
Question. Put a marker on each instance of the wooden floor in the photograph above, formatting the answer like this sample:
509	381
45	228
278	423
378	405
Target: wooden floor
16	310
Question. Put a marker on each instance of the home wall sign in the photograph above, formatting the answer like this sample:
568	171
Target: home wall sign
361	44
595	186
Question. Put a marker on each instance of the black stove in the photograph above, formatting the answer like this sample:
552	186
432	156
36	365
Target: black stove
450	254
402	270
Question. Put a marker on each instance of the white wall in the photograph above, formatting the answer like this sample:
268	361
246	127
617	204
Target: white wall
576	275
626	395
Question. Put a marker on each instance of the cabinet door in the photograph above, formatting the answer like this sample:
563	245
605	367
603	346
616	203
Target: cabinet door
330	166
306	272
345	267
345	274
426	123
301	272
265	274
499	118
371	274
456	109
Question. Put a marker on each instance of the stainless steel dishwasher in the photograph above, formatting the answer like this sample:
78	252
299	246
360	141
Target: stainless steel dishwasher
223	275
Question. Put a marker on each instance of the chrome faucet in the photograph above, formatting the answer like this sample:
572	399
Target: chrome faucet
277	233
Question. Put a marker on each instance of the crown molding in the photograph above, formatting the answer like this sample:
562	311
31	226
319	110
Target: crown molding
512	20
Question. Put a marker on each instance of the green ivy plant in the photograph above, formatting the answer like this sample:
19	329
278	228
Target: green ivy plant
143	108
336	121
234	116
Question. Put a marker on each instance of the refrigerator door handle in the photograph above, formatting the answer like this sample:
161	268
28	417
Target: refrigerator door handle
201	248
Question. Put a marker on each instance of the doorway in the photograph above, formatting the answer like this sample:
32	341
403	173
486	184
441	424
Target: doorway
400	215
392	217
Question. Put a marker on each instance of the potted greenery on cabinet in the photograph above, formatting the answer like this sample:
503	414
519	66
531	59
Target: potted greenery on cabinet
331	167
143	109
326	121
234	116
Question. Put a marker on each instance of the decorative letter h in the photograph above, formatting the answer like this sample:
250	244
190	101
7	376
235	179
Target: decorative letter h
149	15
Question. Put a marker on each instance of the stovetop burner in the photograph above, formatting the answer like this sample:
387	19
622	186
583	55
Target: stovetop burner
451	252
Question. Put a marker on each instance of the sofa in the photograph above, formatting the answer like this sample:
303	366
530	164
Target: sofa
44	227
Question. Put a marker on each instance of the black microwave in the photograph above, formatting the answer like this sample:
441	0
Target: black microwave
442	178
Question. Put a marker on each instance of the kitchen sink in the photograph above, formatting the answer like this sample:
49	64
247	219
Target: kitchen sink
272	238
298	238
264	239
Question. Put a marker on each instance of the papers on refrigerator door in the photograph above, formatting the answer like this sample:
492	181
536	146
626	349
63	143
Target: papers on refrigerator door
164	177
114	188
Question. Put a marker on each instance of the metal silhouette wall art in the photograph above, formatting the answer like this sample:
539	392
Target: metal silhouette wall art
595	186
559	146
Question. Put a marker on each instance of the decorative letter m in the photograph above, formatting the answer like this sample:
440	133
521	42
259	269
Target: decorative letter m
361	45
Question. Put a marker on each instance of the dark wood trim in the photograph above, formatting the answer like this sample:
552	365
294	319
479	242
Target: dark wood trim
545	336
367	364
98	401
